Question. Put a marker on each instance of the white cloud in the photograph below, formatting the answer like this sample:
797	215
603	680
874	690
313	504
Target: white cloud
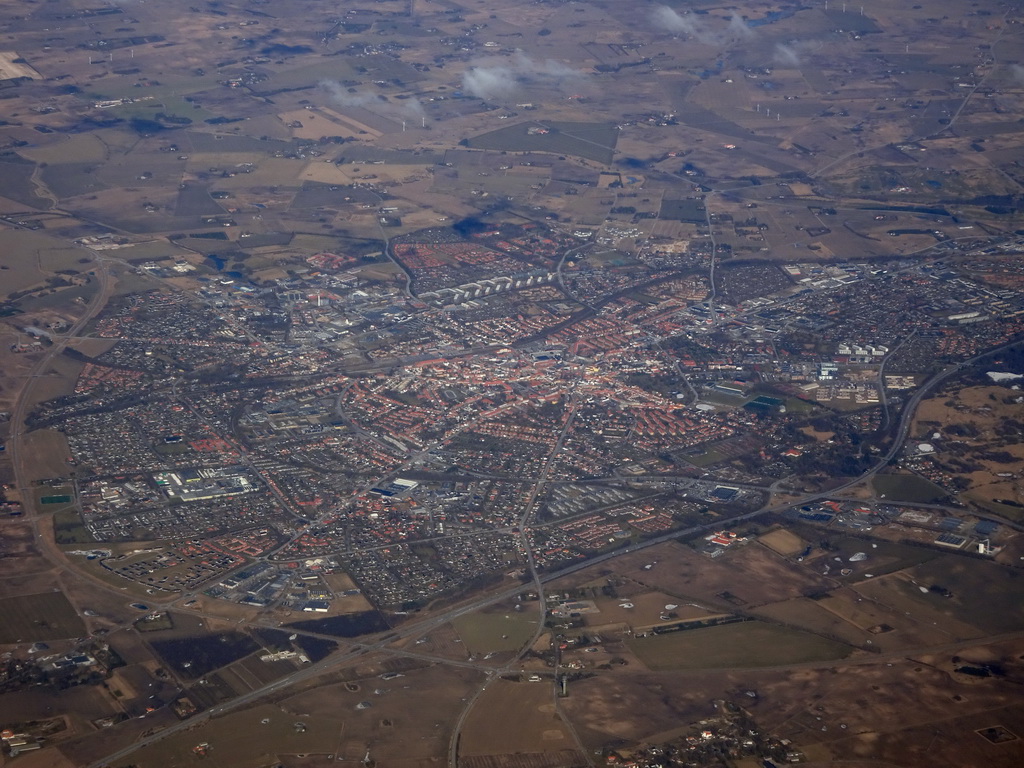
493	80
399	109
699	28
786	56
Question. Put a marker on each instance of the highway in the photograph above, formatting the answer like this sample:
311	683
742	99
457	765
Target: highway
538	582
15	444
424	625
418	628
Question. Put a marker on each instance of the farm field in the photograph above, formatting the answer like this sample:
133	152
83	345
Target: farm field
19	553
32	257
743	644
847	617
253	737
880	557
897	592
421	706
44	616
493	632
193	657
69	530
785	543
744	576
593	141
875	699
442	641
514	717
512	385
908	488
953	585
643	610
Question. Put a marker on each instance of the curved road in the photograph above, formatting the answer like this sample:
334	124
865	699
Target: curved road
426	624
47	546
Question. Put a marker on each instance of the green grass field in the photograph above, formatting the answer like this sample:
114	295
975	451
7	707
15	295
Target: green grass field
44	616
80	148
68	528
1005	510
705	459
485	633
883	556
155	622
971	597
908	488
593	141
747	644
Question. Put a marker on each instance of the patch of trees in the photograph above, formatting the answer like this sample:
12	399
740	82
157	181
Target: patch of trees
998	457
963	429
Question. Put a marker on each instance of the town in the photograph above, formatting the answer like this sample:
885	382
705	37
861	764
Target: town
510	385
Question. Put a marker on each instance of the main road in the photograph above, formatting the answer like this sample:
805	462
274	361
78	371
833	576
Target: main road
428	623
15	444
422	626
